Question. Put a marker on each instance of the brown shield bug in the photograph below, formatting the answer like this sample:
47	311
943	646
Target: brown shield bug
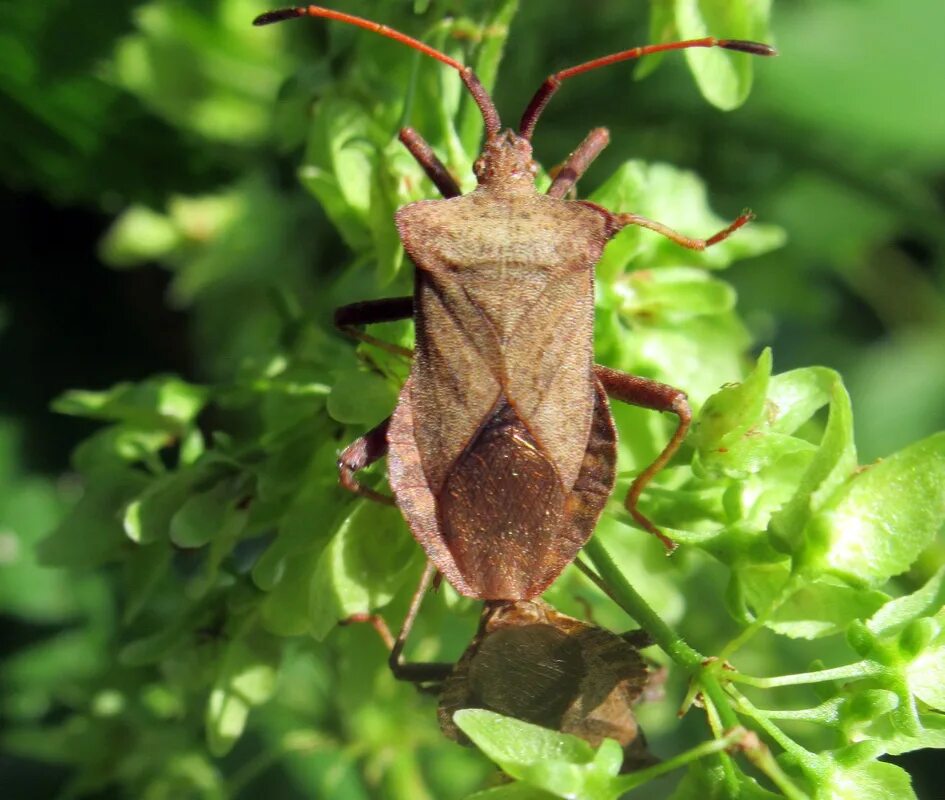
531	662
538	665
501	450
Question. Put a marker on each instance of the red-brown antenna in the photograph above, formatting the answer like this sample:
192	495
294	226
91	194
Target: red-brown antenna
527	126
489	114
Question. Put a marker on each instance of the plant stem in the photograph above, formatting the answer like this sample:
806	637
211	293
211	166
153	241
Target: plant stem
801	754
733	737
859	669
630	601
790	587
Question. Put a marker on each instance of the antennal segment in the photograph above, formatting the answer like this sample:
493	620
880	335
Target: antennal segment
533	111
489	114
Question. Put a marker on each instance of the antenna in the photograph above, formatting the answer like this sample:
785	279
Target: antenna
489	114
533	110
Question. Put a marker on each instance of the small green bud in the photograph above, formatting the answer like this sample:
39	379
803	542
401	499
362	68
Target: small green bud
860	638
916	636
869	705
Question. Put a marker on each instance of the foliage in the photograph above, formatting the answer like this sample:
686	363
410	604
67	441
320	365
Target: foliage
199	575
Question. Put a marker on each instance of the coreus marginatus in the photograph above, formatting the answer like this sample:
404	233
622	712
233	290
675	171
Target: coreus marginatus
538	665
531	662
501	450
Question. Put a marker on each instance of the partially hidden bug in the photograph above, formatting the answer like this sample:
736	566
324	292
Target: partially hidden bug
502	449
531	662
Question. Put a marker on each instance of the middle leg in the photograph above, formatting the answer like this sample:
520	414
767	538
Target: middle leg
658	396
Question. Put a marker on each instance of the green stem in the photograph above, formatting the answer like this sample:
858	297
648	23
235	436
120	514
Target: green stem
761	757
714	715
628	782
801	754
860	669
630	601
787	592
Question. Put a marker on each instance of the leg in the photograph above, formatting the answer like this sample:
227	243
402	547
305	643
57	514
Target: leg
659	397
416	673
348	317
434	168
359	454
622	220
579	161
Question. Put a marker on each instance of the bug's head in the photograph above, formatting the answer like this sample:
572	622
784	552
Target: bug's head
506	164
518	613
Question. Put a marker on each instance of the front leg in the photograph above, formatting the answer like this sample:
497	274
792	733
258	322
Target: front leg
389	309
658	396
359	454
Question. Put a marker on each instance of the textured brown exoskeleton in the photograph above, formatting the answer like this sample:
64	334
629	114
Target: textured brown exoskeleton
538	665
531	662
502	447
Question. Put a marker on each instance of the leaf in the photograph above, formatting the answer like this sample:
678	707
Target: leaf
817	609
724	77
361	398
339	166
832	464
924	602
138	236
876	525
873	780
674	293
147	518
91	534
201	516
164	402
247	678
731	423
512	791
556	762
678	199
926	676
366	562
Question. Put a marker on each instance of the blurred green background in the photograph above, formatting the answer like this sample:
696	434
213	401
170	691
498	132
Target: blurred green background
183	121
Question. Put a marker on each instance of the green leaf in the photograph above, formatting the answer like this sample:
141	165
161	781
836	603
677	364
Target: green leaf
366	562
676	198
137	236
91	534
876	525
339	166
924	602
201	516
926	676
832	464
816	609
147	518
164	402
556	762
724	77
731	422
247	678
673	294
512	791
872	780
361	398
